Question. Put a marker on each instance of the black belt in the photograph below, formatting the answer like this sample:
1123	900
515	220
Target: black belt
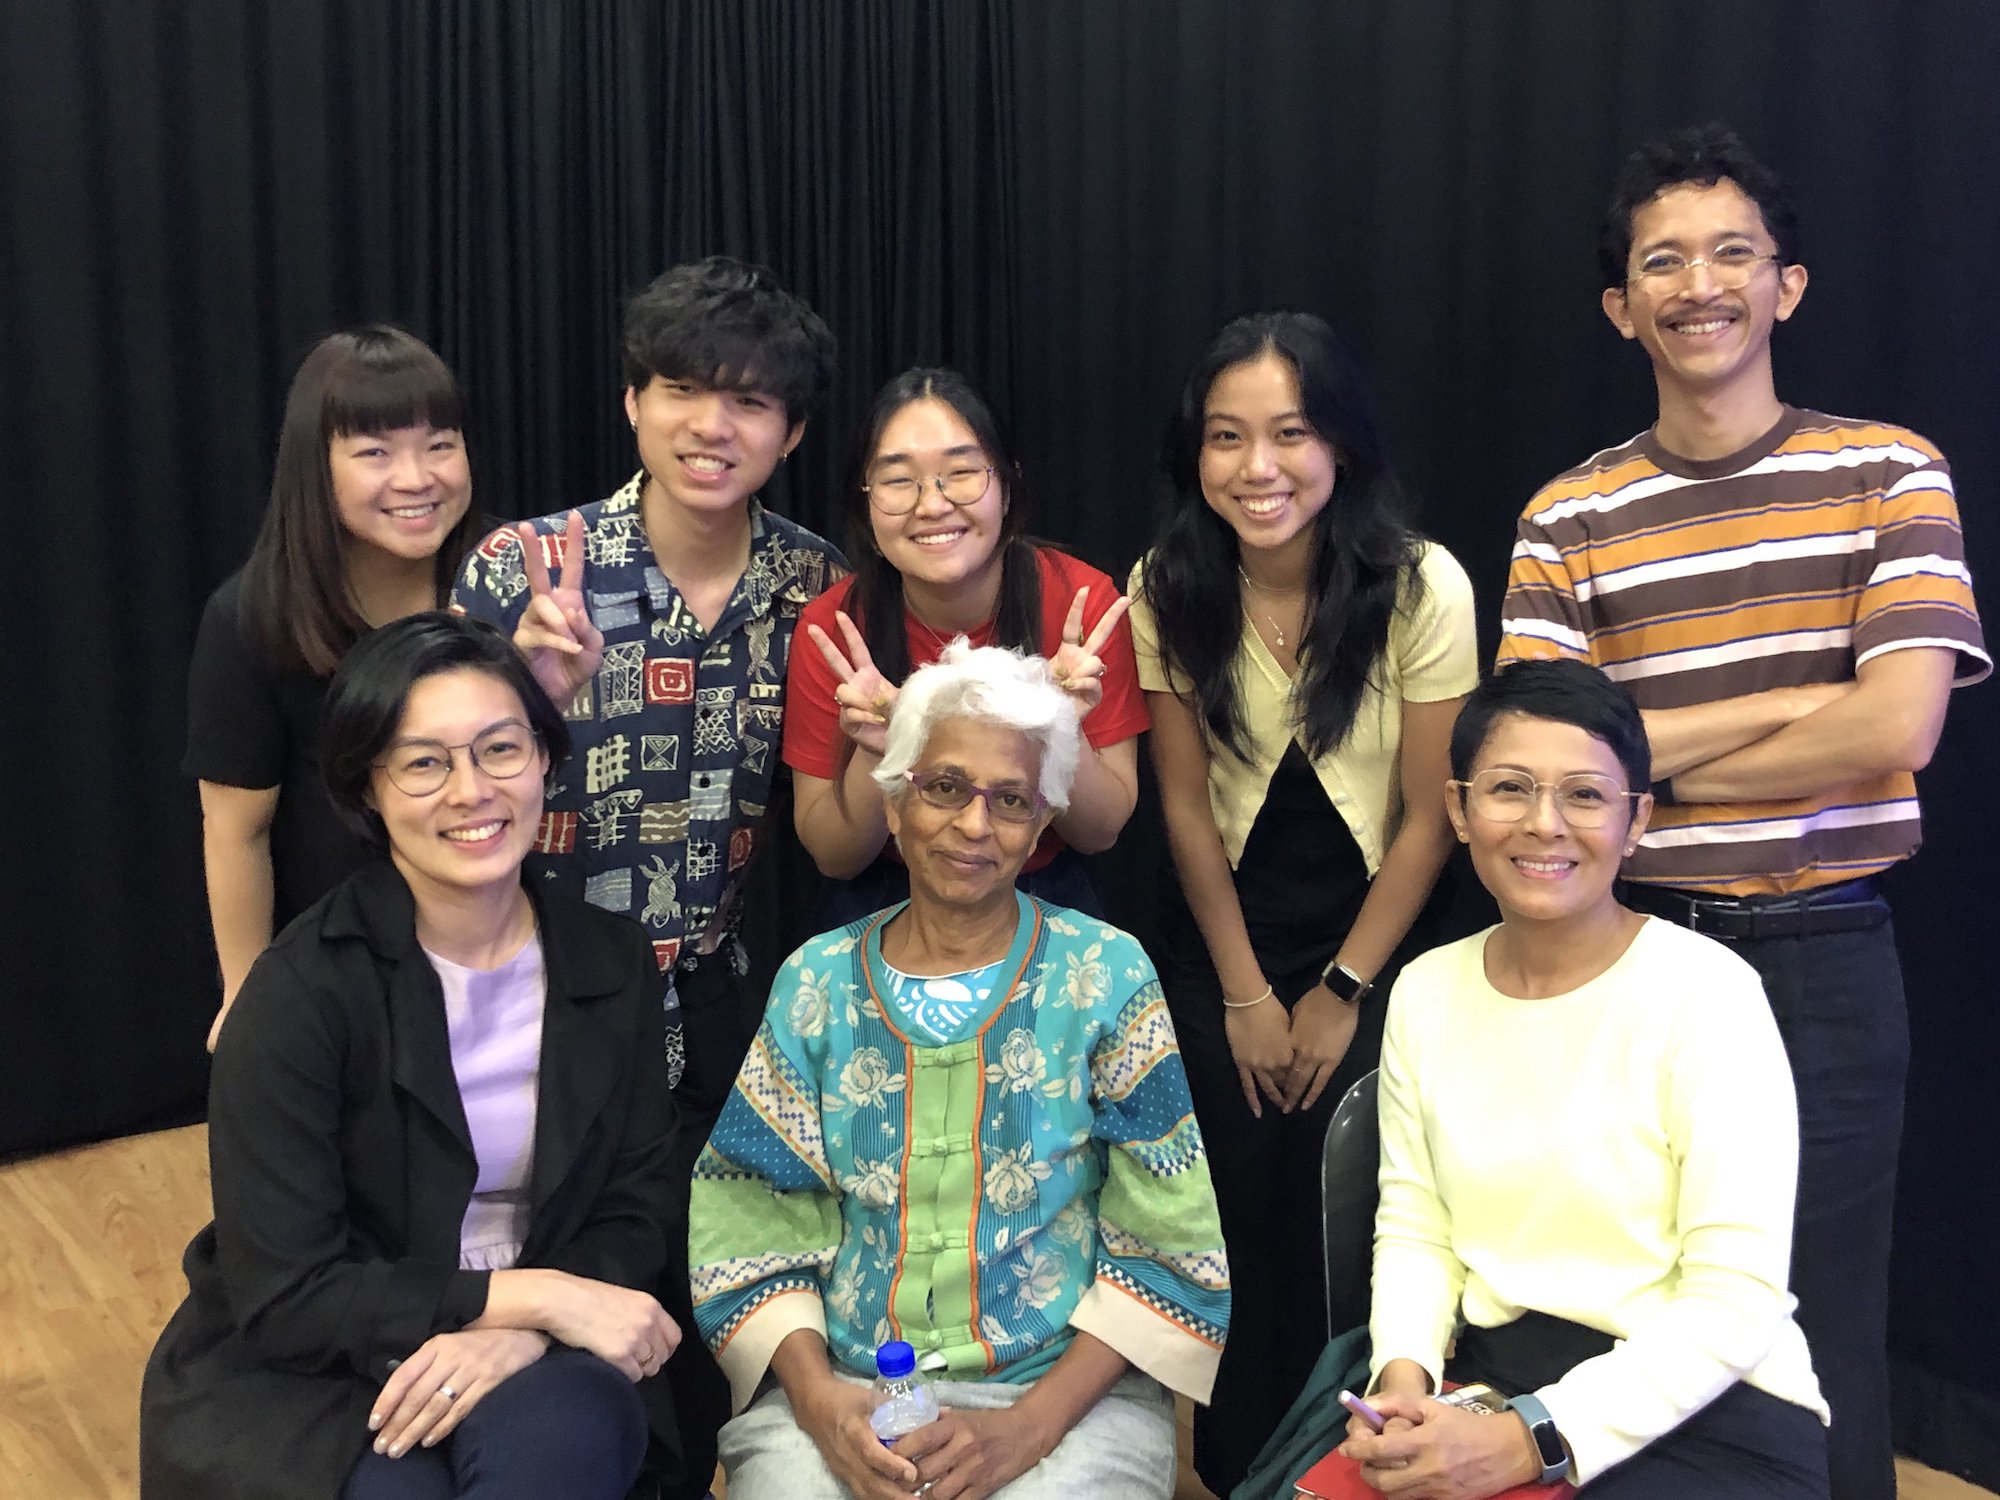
1851	906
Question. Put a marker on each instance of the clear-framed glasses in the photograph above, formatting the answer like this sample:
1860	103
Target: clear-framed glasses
962	484
1731	266
1585	800
948	791
419	768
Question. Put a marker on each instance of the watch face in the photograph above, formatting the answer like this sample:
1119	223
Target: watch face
1549	1443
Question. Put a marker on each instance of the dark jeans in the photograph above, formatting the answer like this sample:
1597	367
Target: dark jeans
1745	1445
718	1018
1838	1000
568	1425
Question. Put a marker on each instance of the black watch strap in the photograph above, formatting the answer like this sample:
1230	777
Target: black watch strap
1345	983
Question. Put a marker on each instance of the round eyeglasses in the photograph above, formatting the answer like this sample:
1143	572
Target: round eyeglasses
962	485
1584	800
1730	267
419	768
949	792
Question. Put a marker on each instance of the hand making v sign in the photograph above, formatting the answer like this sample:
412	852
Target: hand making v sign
1077	667
864	695
555	634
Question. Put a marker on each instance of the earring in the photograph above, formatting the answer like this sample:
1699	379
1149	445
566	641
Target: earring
635	423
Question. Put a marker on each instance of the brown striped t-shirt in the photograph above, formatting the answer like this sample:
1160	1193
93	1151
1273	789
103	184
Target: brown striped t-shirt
1824	543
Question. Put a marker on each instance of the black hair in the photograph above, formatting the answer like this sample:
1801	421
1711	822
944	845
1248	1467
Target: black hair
1564	691
1698	156
730	326
365	702
876	600
1364	553
371	379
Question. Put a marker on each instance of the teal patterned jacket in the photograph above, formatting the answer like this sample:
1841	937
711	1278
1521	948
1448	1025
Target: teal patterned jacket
984	1199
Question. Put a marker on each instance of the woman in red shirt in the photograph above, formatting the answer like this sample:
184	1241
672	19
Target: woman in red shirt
936	530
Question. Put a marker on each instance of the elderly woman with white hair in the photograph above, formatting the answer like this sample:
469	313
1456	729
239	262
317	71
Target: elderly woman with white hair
963	1124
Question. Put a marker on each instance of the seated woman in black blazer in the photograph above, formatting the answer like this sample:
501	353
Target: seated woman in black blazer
438	1133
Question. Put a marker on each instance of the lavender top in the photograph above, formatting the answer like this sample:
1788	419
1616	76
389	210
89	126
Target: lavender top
494	1017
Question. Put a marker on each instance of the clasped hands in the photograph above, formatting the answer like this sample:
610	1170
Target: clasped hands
1430	1451
1288	1060
964	1455
429	1393
865	696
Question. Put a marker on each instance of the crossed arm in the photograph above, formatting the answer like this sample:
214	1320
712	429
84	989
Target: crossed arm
1799	742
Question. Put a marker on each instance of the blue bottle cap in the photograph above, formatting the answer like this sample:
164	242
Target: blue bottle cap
895	1361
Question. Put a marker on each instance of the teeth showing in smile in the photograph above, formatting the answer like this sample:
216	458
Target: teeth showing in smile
1709	325
413	512
701	463
478	834
937	538
1546	866
1263	505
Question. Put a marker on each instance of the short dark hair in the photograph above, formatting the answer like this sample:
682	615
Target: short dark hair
1566	691
366	700
876	598
375	378
1701	156
731	326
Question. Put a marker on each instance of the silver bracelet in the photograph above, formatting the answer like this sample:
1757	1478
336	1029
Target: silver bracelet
1229	1004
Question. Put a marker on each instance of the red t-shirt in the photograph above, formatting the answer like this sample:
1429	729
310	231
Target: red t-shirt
813	739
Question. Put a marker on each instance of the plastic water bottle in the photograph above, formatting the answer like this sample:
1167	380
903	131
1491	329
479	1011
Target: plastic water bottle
904	1400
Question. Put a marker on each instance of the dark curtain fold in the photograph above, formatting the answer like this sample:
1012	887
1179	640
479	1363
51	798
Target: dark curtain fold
1062	199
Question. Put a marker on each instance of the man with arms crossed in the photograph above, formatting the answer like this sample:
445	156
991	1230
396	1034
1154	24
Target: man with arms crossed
659	620
1785	594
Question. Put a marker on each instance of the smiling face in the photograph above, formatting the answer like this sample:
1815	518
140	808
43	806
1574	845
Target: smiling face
708	451
400	492
1542	869
472	833
1263	468
1699	334
965	858
949	550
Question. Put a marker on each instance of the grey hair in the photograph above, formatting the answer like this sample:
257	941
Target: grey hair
991	685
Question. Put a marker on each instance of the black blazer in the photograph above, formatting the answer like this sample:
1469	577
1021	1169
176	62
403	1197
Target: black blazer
341	1169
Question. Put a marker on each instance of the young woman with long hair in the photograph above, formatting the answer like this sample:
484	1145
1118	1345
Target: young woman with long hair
937	520
370	512
1303	653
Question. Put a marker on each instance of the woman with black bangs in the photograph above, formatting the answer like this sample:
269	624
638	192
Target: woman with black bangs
936	528
370	513
1304	654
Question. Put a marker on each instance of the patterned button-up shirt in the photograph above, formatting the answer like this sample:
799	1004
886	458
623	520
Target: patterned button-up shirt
678	735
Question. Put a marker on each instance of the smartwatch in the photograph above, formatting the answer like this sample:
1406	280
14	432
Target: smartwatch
1542	1433
1349	986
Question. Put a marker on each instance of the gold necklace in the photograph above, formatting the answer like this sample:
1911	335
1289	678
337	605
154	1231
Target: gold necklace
1277	630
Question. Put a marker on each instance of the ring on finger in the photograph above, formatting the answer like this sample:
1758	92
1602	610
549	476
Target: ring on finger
448	1393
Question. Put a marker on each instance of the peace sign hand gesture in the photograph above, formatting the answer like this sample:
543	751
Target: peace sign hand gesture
1077	667
562	647
864	695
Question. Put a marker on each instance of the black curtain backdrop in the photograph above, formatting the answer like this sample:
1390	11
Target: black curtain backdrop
1064	200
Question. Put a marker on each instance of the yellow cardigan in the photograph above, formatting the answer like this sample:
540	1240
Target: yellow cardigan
1432	655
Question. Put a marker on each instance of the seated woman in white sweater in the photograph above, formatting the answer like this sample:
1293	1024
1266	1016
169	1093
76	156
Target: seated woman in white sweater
1589	1153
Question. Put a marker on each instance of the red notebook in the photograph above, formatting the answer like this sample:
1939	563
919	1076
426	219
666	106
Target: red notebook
1337	1478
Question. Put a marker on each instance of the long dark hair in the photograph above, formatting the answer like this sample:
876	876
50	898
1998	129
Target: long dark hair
370	379
876	600
1364	554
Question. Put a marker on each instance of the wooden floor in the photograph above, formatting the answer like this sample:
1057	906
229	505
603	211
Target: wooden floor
90	1245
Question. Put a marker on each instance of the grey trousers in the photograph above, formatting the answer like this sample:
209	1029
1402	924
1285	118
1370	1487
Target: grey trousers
1123	1449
